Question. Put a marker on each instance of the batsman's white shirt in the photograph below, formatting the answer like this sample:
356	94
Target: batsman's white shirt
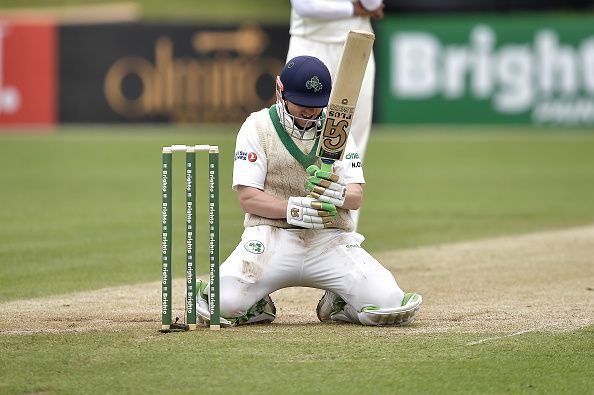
269	258
250	166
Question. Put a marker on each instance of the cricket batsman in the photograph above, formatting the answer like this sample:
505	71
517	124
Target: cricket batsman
298	229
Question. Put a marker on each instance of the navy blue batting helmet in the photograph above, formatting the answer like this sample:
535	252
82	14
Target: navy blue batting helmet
306	82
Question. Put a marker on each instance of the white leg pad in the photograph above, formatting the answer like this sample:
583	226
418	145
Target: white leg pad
203	314
396	316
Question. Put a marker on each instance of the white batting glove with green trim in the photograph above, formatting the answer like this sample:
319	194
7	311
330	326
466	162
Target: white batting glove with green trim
326	186
309	213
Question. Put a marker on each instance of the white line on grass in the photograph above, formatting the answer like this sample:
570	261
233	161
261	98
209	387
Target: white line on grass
474	343
557	324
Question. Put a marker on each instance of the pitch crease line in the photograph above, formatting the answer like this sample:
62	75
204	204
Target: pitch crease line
474	343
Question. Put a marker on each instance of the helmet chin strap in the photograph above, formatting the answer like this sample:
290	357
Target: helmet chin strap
309	132
311	122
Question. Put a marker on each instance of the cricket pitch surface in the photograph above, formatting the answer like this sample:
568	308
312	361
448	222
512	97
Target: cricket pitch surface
513	284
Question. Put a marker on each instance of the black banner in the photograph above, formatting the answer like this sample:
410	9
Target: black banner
484	5
152	72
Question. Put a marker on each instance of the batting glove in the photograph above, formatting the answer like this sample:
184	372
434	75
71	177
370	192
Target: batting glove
326	186
309	213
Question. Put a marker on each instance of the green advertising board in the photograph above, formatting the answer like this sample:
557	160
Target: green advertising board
506	68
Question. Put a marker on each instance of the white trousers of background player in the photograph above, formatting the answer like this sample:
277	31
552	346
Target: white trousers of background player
330	53
269	258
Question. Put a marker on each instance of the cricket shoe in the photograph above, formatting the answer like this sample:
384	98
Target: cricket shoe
263	312
203	309
329	305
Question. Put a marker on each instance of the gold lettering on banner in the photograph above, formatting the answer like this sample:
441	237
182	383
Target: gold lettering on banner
124	67
220	88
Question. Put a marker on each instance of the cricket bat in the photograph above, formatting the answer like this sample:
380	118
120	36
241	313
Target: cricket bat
343	97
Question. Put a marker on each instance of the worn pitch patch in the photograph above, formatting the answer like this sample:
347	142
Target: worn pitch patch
507	285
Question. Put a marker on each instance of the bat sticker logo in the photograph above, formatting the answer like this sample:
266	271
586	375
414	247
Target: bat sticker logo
314	83
335	134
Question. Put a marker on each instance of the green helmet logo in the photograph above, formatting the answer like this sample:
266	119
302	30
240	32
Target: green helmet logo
314	83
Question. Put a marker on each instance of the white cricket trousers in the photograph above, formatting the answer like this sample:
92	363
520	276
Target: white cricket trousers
269	258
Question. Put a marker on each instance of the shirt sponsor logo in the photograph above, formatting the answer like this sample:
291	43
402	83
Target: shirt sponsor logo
252	157
240	155
352	155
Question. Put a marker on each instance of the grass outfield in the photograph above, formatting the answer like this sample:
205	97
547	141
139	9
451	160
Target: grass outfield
289	361
80	211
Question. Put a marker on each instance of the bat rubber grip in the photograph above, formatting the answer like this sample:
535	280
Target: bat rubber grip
326	166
